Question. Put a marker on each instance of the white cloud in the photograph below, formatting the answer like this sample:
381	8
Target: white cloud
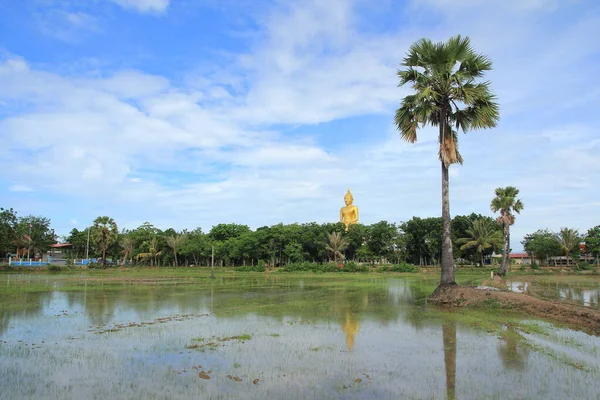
20	188
70	27
144	6
219	147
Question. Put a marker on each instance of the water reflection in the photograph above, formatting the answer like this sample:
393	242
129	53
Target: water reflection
578	293
449	336
512	351
309	338
350	326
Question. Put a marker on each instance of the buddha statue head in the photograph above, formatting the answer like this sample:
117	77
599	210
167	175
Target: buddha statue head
348	199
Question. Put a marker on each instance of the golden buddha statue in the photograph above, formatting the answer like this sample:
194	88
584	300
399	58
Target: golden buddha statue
349	213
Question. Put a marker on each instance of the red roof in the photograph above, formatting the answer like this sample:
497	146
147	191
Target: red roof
58	245
519	255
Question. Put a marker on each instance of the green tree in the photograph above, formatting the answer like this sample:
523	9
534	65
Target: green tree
482	235
336	245
196	246
128	245
569	240
445	77
8	230
78	239
382	238
592	243
37	232
541	245
104	233
175	242
507	204
151	251
422	239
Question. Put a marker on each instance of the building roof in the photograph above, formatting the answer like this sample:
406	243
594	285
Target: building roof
60	245
519	255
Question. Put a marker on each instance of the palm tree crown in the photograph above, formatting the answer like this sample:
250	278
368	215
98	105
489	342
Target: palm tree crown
506	202
336	245
444	76
483	234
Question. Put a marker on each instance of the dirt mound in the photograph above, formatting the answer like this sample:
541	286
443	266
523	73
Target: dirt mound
582	318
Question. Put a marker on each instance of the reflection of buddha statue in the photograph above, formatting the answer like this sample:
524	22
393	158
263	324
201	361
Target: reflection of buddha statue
349	213
350	327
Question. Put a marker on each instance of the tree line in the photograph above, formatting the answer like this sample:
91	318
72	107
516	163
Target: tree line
417	241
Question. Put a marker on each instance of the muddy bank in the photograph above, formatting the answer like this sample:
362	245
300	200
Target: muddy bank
576	317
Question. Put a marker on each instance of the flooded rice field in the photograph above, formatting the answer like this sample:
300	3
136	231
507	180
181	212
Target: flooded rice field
275	337
584	292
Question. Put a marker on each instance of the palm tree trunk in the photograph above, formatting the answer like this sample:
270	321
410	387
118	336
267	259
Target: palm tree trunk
447	257
481	254
175	253
103	256
506	252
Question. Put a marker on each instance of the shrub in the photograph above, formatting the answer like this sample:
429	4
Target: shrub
402	267
325	267
251	268
58	268
535	265
584	266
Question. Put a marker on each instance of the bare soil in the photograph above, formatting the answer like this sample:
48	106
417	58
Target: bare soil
490	295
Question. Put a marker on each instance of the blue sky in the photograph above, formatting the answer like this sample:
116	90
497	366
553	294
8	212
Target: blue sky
190	113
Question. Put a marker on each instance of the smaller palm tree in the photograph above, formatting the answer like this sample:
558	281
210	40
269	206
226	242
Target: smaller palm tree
175	242
569	241
483	234
152	253
336	244
507	203
104	233
128	245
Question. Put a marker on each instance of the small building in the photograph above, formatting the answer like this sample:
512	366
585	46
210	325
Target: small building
520	258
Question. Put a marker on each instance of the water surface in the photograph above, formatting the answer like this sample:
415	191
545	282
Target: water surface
272	336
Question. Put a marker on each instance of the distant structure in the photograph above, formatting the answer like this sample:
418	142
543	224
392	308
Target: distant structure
349	213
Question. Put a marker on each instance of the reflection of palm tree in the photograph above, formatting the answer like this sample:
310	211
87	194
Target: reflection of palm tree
513	356
350	326
449	333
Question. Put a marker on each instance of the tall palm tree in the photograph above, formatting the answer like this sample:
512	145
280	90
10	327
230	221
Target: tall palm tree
447	95
507	203
483	234
336	244
104	233
569	241
128	245
175	242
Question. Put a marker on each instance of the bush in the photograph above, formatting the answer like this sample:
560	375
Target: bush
251	268
402	267
584	266
58	268
535	265
325	267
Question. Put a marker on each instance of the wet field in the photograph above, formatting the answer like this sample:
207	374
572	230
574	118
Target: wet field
180	335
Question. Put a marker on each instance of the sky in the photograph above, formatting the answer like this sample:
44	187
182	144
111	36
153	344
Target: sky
190	113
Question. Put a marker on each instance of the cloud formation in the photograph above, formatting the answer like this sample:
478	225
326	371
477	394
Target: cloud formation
302	109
